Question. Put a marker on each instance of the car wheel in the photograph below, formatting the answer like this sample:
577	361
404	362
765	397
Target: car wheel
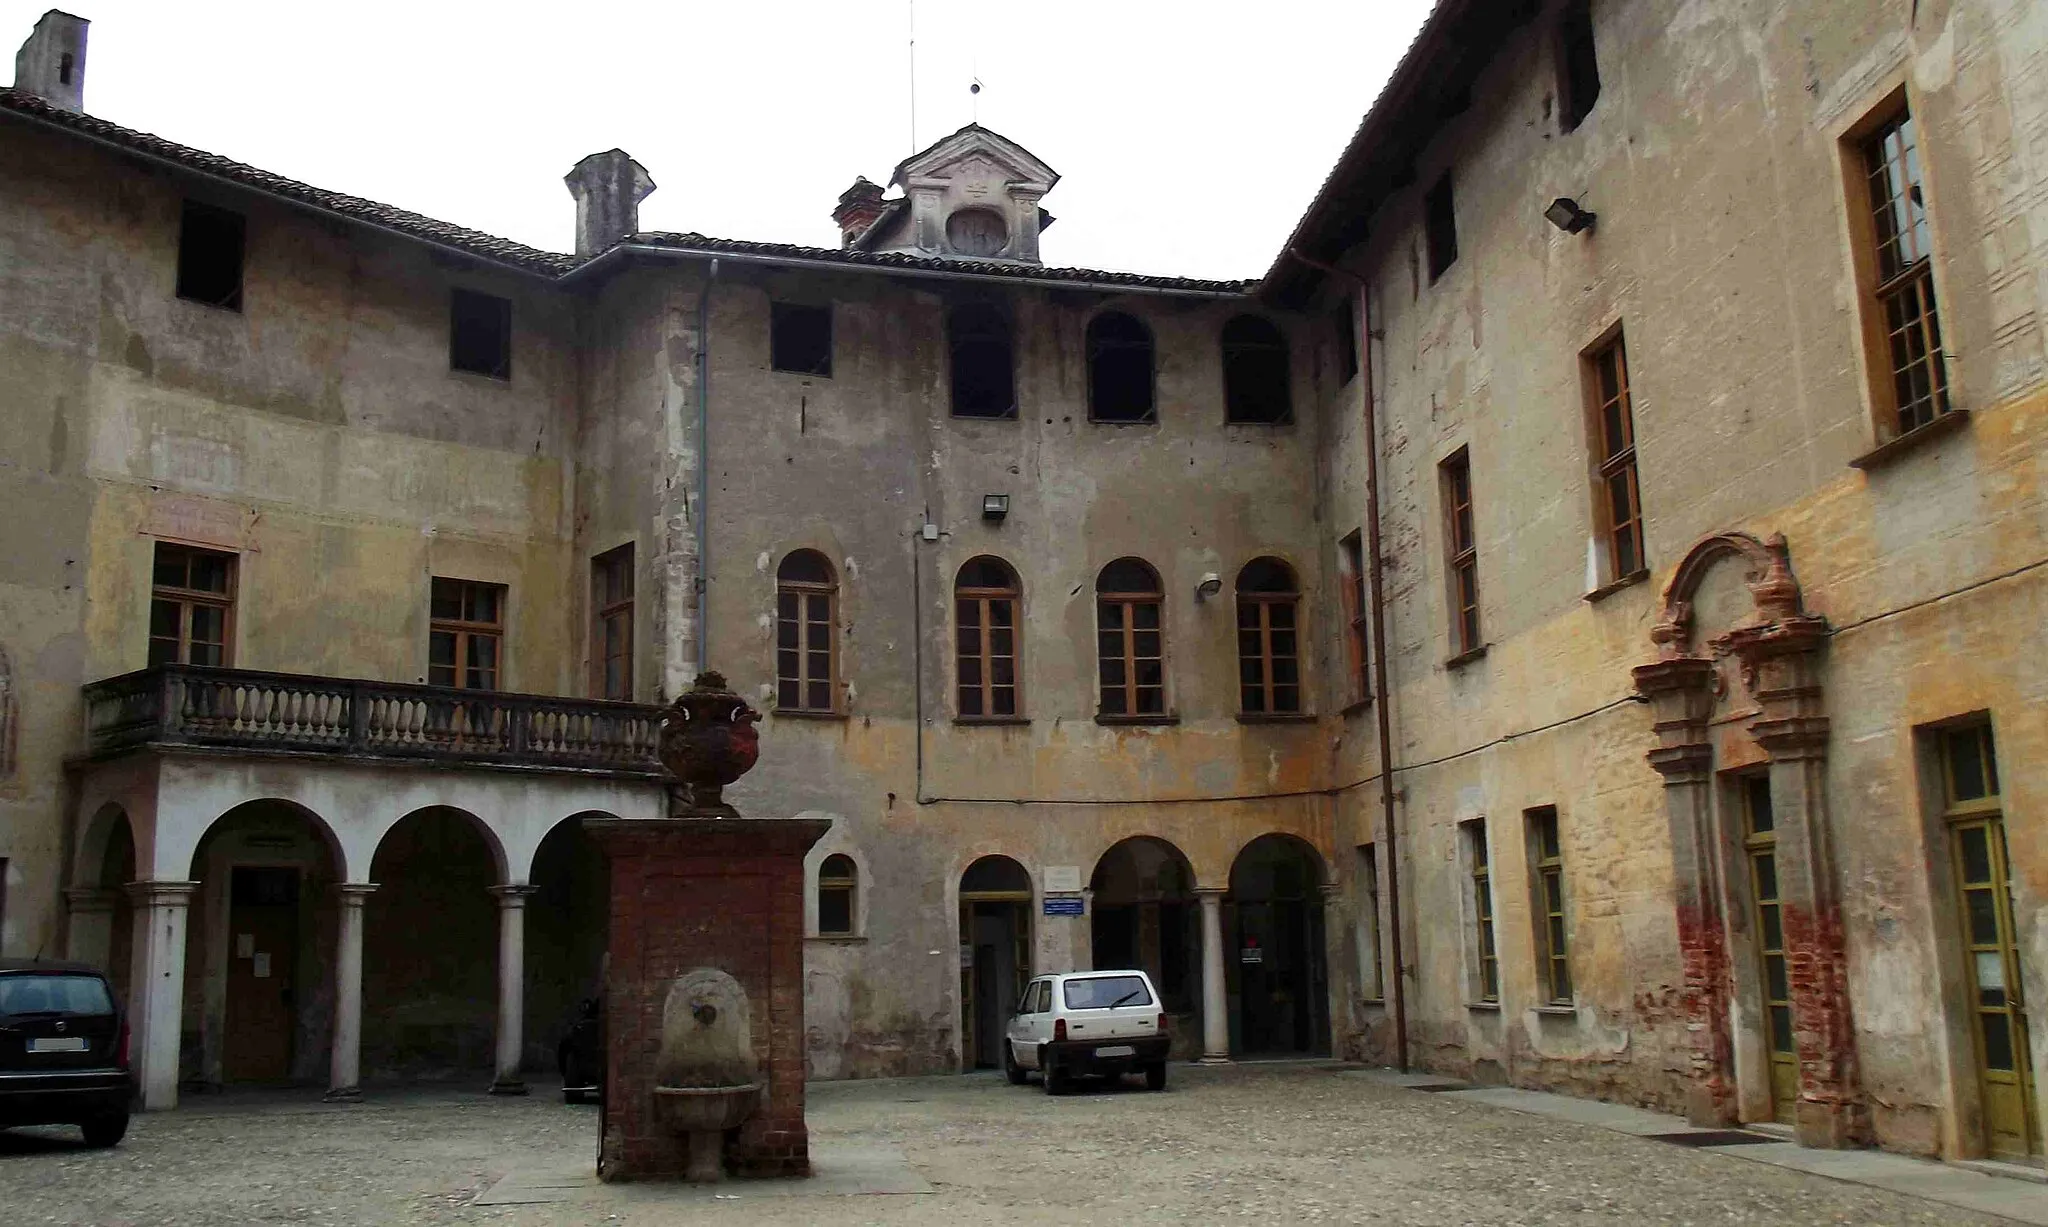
1055	1081
1011	1069
105	1131
1155	1076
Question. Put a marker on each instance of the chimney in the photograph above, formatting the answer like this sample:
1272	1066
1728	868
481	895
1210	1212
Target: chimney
859	206
608	188
51	64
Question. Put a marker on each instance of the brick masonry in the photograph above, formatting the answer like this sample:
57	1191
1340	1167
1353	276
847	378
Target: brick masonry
726	893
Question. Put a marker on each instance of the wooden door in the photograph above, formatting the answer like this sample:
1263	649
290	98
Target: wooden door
263	943
1760	846
2005	1067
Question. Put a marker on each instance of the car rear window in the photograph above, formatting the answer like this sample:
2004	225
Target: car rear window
1107	992
36	993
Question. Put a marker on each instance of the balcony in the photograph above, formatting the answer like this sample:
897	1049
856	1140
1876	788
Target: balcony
189	706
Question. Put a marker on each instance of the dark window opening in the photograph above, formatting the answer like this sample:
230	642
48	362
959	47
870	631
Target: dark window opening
983	365
64	69
1440	227
1581	67
838	880
1255	372
210	251
1347	341
1119	369
800	338
480	334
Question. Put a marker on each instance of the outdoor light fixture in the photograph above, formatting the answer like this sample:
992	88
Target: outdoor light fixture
1211	584
995	506
1566	215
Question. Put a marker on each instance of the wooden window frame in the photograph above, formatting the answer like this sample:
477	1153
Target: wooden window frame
608	605
1357	614
1485	947
804	680
848	882
1265	660
985	600
467	631
187	598
1127	632
1553	925
1614	458
1461	553
1877	290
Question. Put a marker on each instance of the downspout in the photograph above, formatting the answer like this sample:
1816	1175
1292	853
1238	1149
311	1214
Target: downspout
1377	616
704	470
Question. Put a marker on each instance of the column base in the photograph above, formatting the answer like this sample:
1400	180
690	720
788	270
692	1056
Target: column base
1209	1060
343	1094
509	1086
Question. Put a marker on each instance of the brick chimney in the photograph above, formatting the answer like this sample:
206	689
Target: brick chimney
859	206
608	188
51	64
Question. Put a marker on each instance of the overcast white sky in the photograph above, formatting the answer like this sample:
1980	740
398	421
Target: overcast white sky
1189	136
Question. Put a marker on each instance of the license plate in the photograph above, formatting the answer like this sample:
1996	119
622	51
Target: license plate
61	1043
1118	1050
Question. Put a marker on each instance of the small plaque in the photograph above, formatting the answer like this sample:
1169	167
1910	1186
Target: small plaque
245	945
262	967
1065	905
1062	880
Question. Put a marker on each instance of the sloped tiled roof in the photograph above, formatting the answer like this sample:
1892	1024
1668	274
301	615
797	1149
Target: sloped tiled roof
551	264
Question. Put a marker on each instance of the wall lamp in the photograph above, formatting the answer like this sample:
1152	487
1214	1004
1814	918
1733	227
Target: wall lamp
1566	215
1211	584
994	507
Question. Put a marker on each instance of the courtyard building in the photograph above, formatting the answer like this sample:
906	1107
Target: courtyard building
1575	622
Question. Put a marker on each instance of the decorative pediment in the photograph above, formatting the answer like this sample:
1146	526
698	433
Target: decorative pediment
975	154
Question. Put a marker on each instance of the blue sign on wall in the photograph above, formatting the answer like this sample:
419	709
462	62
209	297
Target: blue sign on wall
1063	905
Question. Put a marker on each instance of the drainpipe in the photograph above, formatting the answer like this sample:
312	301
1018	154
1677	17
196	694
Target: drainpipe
704	470
1378	619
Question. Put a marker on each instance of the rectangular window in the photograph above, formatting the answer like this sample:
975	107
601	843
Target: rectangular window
1913	385
480	334
210	251
1440	227
466	635
1357	617
805	655
191	606
800	338
1578	66
611	604
1618	499
837	880
987	655
1553	940
1347	341
1485	956
1461	552
1130	655
1371	970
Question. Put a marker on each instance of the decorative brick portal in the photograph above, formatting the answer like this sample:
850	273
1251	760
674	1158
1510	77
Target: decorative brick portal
726	893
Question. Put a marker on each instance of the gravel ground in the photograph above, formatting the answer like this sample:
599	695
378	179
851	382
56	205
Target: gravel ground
1265	1144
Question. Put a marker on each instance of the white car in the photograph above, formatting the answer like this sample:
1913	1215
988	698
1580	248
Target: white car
1087	1023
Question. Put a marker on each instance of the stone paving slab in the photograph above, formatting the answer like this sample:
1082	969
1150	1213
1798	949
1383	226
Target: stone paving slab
838	1169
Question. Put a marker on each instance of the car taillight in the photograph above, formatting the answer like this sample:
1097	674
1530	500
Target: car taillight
1059	1028
121	1046
1162	1024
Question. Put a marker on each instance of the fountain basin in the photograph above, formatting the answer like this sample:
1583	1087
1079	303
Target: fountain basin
704	1113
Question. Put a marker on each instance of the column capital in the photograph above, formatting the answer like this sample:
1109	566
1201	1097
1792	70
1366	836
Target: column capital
513	894
162	894
1211	892
352	894
91	898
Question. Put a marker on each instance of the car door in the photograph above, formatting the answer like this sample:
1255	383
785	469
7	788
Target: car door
1018	1033
1032	1026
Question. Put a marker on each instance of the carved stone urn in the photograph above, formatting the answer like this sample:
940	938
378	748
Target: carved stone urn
708	740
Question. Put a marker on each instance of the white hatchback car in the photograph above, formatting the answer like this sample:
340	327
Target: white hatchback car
1087	1023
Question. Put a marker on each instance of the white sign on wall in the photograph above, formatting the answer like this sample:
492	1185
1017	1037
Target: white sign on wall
1062	879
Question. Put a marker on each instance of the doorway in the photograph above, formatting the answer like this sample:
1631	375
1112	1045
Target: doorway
995	954
1760	852
263	929
1276	905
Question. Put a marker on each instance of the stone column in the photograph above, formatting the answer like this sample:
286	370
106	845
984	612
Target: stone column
156	987
90	936
344	1069
511	987
1215	998
1681	695
1337	970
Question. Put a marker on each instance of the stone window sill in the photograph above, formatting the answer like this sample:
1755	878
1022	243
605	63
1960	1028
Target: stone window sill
1483	1007
991	720
838	939
1356	706
1558	1009
1465	658
1377	1003
1276	717
1884	453
795	713
1610	588
1104	718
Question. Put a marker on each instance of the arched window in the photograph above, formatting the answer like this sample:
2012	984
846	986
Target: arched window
806	633
985	600
1131	640
1268	648
983	366
1119	369
838	888
1255	373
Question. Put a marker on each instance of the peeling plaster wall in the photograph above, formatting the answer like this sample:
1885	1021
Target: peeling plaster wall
1713	160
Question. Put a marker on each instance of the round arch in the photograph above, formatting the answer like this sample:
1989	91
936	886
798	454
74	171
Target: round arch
568	922
1146	916
1274	921
430	1006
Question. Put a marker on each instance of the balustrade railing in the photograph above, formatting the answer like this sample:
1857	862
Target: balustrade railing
192	705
